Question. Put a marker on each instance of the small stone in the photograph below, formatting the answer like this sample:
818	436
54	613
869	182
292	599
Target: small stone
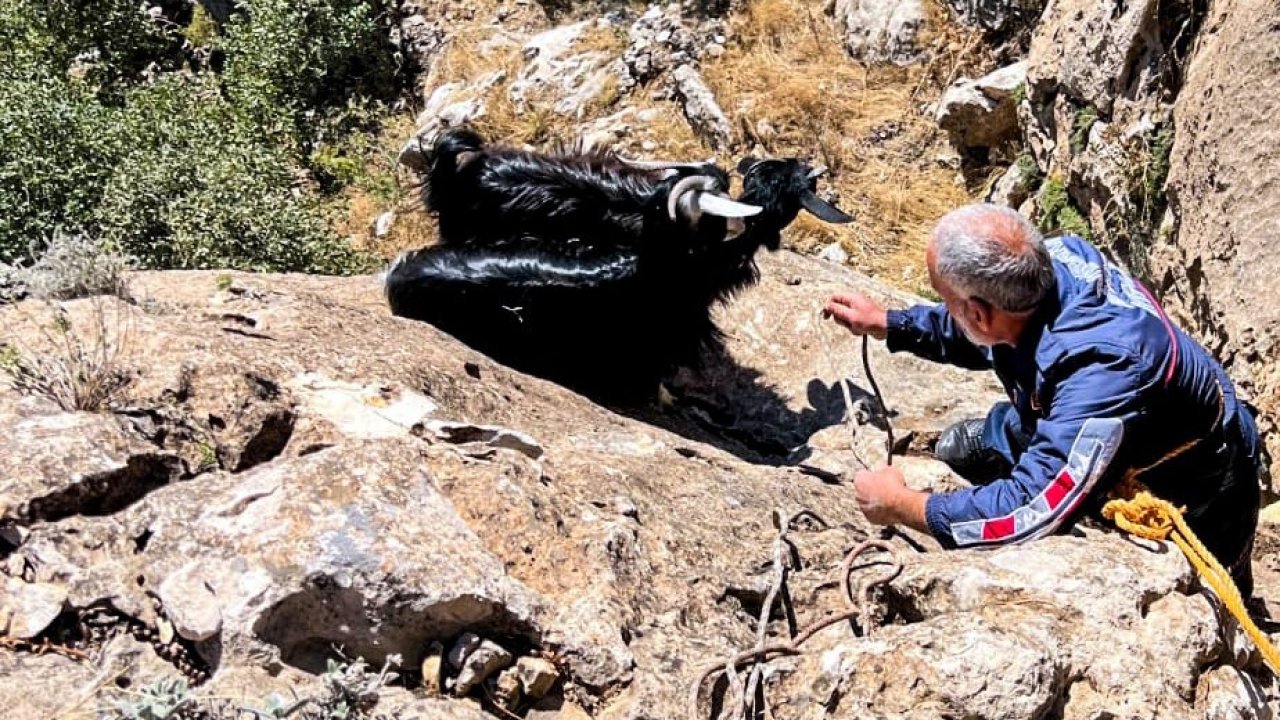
624	506
507	688
715	50
483	662
383	225
190	604
431	666
462	649
537	676
834	253
29	608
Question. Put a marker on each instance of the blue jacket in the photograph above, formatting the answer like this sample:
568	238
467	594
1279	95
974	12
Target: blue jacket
1103	383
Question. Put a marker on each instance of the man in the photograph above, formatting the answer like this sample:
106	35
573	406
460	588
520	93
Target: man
1102	388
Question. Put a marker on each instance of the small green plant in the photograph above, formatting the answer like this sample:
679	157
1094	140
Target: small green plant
202	31
1028	172
351	689
208	457
1057	212
162	700
1084	121
1020	93
223	282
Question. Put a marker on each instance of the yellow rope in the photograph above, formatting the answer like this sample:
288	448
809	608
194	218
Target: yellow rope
1148	516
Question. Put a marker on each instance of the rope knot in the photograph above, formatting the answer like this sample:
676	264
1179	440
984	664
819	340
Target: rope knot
1144	515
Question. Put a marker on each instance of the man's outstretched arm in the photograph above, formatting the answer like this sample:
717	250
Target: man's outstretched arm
927	331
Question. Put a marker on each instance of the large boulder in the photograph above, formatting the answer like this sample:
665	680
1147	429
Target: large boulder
881	31
1224	169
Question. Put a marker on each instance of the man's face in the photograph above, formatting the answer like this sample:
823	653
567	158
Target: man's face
961	309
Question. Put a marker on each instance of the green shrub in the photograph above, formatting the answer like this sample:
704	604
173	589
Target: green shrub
290	59
103	133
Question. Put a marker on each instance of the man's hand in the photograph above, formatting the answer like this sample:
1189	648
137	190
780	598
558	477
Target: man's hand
885	499
858	313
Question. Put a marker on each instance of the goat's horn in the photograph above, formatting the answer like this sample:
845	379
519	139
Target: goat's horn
823	210
817	172
698	183
658	164
724	207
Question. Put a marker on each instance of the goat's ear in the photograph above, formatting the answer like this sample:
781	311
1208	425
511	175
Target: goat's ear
745	164
822	210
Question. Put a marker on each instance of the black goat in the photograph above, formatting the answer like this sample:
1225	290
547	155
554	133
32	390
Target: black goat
588	269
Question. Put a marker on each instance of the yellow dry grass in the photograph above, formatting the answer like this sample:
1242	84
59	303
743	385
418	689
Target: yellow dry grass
789	89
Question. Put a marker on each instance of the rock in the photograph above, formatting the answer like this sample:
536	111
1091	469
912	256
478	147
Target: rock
1089	50
537	676
662	39
881	30
559	76
422	37
490	436
996	15
352	584
462	649
834	253
1225	693
982	112
191	604
329	410
1013	188
1221	189
52	466
700	107
487	659
432	668
506	689
26	609
382	226
363	536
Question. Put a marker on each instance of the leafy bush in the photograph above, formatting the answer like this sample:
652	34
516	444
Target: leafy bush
110	126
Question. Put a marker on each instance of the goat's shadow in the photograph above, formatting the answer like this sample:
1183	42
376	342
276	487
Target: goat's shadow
732	407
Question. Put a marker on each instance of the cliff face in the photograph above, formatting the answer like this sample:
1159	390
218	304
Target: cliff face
291	473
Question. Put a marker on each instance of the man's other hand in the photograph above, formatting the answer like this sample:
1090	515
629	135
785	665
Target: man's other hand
883	496
858	313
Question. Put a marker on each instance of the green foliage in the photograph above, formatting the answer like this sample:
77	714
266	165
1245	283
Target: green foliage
1028	171
288	60
104	133
202	31
158	701
1084	121
1057	212
1020	93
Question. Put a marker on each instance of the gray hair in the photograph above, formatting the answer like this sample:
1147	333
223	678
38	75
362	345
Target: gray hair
994	253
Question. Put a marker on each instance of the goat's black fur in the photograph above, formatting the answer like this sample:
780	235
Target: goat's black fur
569	266
499	197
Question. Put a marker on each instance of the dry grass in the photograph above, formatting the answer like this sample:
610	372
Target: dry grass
790	88
82	365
